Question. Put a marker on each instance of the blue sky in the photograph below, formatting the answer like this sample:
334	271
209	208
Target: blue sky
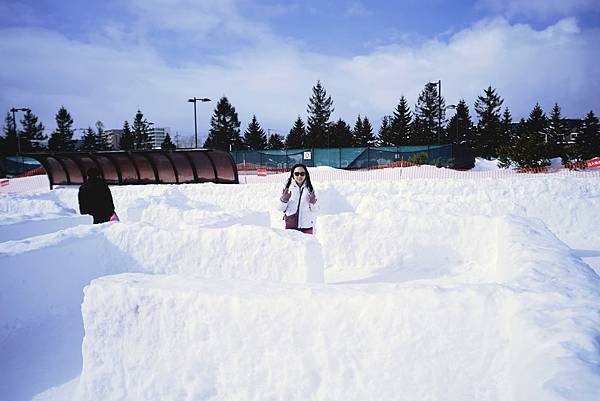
104	60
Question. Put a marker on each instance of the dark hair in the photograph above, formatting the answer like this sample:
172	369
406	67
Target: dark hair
306	180
92	173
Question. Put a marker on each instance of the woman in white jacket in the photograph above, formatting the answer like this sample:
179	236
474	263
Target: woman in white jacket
298	201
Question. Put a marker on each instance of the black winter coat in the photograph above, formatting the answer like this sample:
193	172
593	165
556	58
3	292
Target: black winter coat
95	199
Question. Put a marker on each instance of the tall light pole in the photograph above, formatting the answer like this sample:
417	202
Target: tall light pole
14	110
194	100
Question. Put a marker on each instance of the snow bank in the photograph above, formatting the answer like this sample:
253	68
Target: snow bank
175	338
25	228
395	246
80	254
481	334
436	289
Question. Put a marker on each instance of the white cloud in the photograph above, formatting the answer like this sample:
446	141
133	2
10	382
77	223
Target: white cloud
540	8
272	77
357	9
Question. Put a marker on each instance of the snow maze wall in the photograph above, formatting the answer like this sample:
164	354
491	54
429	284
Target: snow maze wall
199	295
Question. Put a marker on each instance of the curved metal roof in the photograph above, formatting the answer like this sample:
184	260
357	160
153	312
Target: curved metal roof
140	167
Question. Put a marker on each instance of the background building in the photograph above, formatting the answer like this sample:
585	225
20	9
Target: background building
156	136
114	136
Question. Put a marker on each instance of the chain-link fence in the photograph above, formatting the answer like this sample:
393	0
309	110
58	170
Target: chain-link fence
355	158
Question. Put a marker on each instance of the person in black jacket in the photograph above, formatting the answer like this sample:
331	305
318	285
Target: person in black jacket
95	198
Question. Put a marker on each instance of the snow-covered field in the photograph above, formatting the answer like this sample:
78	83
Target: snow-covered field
413	289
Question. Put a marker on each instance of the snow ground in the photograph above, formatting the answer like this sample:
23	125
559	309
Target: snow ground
410	290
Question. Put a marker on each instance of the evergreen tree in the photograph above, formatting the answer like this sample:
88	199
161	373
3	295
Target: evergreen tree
319	111
527	148
255	137
386	136
400	125
62	138
537	125
224	131
429	110
489	131
126	142
295	139
357	131
9	141
33	133
89	140
419	133
364	135
341	135
140	132
557	129
587	144
102	140
460	128
507	128
167	144
275	142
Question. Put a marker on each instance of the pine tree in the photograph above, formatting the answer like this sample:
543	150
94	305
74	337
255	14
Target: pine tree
102	140
537	124
341	135
89	140
33	133
9	142
527	148
167	144
357	131
254	136
364	135
400	125
460	128
507	128
319	111
140	132
224	131
275	142
429	110
295	139
126	142
419	133
62	138
489	131
557	129
587	144
385	135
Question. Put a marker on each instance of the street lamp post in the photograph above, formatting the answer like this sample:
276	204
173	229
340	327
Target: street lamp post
14	110
194	100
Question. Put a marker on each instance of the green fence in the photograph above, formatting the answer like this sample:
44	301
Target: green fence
352	158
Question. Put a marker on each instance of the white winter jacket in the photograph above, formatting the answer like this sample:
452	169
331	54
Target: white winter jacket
307	212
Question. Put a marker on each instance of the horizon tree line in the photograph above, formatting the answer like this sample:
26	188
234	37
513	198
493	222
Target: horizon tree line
528	143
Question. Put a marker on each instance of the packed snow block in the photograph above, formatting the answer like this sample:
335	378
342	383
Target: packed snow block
183	213
181	338
44	276
38	226
392	245
238	252
556	314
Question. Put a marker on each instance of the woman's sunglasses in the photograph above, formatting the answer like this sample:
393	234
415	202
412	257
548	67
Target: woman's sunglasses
299	173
